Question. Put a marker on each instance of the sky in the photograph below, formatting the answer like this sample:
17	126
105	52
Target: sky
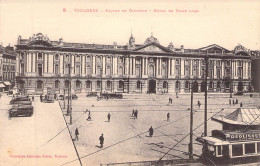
201	22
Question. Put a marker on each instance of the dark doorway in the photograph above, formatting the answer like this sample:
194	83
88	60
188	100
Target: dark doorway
203	86
152	86
195	87
240	86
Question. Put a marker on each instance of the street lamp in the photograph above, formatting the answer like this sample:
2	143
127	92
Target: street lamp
69	108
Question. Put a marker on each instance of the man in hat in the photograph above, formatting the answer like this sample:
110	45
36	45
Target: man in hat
101	140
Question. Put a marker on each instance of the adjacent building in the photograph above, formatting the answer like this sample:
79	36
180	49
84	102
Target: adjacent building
7	68
256	70
44	64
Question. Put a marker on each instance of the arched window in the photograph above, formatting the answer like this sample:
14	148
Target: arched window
66	69
108	70
239	63
137	71
57	84
88	84
88	59
98	70
109	86
121	84
151	70
187	85
227	72
228	63
88	70
22	69
218	73
56	58
98	84
40	69
177	71
67	84
22	55
39	55
120	59
78	69
187	71
177	61
239	72
39	85
218	84
56	69
165	84
177	85
211	85
78	58
108	59
120	71
139	84
78	84
164	72
98	59
195	71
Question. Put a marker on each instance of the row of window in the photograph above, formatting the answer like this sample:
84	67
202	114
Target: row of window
138	60
8	67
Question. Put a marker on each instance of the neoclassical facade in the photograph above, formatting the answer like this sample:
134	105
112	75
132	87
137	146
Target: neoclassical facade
44	65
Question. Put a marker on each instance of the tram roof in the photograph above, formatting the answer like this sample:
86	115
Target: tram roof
241	116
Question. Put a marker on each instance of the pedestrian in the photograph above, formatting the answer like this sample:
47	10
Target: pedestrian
168	117
133	113
169	100
241	104
136	111
77	134
101	140
32	98
236	101
151	131
199	104
89	117
41	98
108	117
233	102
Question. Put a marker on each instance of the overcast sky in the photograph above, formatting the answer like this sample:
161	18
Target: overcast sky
219	22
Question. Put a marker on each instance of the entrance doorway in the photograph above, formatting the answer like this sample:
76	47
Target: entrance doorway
195	87
152	86
240	87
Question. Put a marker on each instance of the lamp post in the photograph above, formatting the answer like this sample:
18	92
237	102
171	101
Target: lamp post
191	125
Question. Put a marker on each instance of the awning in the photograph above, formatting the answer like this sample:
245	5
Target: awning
7	83
2	85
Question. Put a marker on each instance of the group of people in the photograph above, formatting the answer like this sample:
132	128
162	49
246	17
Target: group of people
235	102
135	113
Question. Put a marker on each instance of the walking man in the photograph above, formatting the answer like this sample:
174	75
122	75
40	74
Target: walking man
101	140
136	113
41	98
32	98
108	117
199	103
241	104
168	117
151	131
76	134
229	101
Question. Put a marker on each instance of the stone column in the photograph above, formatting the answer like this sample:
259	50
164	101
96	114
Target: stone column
115	65
215	69
130	65
61	64
182	68
173	67
191	67
104	65
83	66
126	66
199	74
94	65
134	65
72	64
169	67
50	63
223	69
143	68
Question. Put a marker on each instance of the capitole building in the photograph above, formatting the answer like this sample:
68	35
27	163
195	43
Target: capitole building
44	65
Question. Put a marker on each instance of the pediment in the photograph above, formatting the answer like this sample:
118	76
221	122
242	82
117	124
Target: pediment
152	47
214	48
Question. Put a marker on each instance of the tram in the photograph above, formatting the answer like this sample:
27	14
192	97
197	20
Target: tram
227	147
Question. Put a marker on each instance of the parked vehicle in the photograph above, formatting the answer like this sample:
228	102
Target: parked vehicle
22	102
74	97
61	97
92	94
13	101
21	110
112	95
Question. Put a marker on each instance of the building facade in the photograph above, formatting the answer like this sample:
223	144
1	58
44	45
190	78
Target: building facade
256	70
7	68
44	65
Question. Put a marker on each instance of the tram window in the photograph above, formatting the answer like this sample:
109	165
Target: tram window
237	150
249	148
258	147
219	150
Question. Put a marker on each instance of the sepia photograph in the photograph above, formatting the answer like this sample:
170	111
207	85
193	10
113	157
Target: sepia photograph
129	83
